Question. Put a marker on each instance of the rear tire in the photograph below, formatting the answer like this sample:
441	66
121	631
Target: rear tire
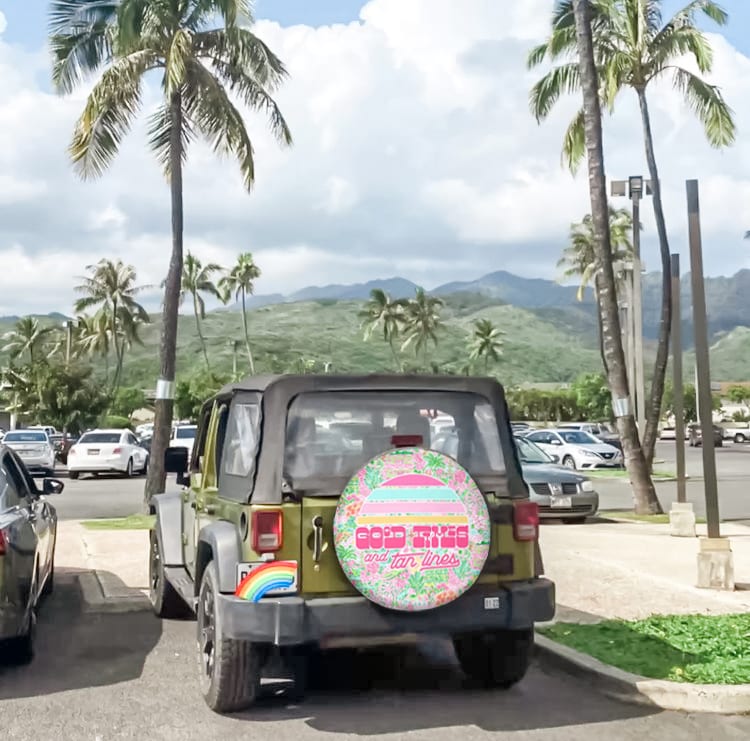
569	462
230	670
739	438
499	659
165	599
129	469
74	475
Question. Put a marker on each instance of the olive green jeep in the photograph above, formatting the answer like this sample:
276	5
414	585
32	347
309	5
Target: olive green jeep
320	511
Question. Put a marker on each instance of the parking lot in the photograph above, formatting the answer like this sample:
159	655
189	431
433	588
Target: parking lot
112	496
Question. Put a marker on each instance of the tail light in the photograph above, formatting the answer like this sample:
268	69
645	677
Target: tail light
117	451
267	527
525	521
3	543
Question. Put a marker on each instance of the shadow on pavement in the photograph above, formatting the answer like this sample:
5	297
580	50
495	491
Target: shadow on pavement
421	688
76	650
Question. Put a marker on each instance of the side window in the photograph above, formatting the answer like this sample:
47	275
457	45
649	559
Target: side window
221	436
15	478
9	497
131	439
199	446
241	440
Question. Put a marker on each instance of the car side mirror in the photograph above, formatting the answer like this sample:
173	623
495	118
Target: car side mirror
52	486
176	461
555	441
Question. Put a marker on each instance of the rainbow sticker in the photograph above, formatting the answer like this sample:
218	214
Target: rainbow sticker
411	530
266	579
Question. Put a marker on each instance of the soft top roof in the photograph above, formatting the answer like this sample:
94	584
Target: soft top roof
377	381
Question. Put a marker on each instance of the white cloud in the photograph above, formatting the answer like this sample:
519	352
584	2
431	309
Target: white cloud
414	154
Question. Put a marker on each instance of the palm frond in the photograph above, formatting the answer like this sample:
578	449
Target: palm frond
179	52
78	53
709	105
232	11
159	132
574	143
547	91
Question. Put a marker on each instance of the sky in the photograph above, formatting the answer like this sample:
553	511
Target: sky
415	154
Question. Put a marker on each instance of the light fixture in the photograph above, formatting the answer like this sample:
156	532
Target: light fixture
635	185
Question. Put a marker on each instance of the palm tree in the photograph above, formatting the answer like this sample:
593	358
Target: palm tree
196	280
240	282
486	342
635	460
579	257
111	289
28	336
93	337
632	49
382	312
202	68
422	322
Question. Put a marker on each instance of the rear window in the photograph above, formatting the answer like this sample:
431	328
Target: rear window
331	435
185	433
25	437
100	437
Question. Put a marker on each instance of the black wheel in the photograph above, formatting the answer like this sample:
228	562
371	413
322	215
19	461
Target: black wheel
20	651
568	462
74	475
498	659
230	670
739	438
129	469
144	470
165	600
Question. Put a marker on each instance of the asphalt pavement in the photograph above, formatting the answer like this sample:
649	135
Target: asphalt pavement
131	676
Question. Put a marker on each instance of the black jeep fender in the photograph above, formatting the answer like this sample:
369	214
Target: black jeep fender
168	527
219	542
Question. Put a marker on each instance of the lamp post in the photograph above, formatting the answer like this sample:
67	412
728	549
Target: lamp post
635	187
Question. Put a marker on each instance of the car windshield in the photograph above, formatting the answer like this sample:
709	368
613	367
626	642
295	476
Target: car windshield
25	437
185	433
528	452
577	437
331	435
100	437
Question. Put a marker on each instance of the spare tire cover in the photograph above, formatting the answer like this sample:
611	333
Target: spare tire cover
411	530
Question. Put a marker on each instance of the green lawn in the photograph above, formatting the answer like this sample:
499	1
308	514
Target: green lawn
621	473
655	519
700	649
132	522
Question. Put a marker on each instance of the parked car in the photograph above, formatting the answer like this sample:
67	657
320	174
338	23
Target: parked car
599	430
695	435
34	448
283	546
28	534
183	436
107	451
559	492
47	428
577	449
736	433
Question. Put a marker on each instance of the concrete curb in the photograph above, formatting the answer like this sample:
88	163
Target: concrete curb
622	685
96	599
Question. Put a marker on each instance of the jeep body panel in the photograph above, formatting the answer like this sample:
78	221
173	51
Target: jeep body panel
168	511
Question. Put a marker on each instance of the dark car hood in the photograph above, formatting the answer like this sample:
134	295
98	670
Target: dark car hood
544	473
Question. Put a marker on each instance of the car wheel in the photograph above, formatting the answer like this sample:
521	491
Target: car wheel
739	438
165	600
129	469
498	659
230	670
144	470
569	462
20	651
74	475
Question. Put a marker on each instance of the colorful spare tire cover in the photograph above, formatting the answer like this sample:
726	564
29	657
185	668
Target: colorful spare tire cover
412	531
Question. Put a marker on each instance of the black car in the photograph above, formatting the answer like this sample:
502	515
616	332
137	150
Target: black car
695	436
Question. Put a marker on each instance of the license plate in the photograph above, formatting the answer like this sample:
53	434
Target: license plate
492	603
562	502
273	578
93	452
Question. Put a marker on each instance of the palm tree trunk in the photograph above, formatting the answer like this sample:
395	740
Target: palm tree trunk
599	326
247	336
395	354
654	408
640	480
116	342
200	333
164	407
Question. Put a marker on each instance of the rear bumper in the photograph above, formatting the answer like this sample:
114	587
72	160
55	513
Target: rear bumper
294	621
92	465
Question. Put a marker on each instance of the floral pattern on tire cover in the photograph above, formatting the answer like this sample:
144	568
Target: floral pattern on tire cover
411	530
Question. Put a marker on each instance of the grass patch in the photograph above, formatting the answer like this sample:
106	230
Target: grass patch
699	649
655	519
621	473
131	522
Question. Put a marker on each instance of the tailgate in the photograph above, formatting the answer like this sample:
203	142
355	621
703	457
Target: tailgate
321	572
